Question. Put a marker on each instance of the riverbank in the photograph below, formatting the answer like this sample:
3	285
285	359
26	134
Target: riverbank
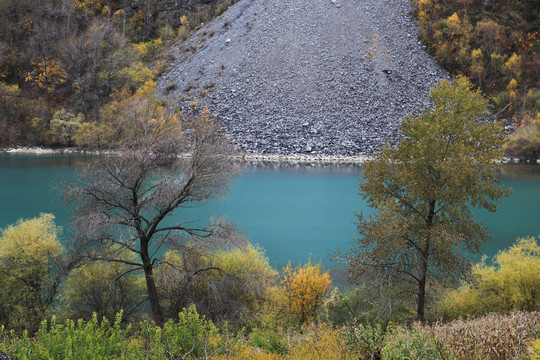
243	157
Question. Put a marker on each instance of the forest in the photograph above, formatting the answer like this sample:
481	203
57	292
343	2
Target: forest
67	65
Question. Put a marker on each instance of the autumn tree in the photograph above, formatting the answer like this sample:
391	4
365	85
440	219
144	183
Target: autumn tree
305	289
424	190
133	200
30	254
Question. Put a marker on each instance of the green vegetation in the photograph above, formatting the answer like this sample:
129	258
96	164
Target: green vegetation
423	191
225	285
102	289
496	44
191	336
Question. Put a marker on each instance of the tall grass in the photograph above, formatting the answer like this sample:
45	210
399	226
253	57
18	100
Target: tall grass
493	337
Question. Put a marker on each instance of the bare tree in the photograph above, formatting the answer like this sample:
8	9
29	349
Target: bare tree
129	199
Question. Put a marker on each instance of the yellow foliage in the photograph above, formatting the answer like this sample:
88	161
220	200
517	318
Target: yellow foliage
477	63
511	283
91	7
455	23
513	66
95	135
497	61
535	349
137	75
28	241
320	342
305	288
45	73
476	55
9	90
528	120
148	88
512	90
27	253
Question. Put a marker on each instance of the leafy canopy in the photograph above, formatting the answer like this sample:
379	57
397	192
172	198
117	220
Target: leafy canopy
424	189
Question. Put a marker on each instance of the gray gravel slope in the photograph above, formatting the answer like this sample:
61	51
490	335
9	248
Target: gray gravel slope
326	77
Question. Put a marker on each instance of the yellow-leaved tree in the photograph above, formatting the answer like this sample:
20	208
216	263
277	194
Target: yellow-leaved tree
305	289
29	251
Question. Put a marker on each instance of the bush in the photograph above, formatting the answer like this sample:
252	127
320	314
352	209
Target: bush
373	302
367	341
524	143
511	283
225	285
418	342
30	255
192	336
105	289
320	341
269	340
92	340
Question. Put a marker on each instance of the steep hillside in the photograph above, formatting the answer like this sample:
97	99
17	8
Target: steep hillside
304	76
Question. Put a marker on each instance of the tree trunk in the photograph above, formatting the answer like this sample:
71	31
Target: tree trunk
421	301
153	295
424	258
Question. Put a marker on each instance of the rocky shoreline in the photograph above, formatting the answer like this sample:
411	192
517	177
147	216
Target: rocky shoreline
303	77
242	158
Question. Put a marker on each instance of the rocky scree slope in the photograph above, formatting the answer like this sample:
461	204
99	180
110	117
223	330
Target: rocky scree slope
324	77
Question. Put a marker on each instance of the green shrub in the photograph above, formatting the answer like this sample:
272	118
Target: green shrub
417	342
269	340
366	341
92	340
191	336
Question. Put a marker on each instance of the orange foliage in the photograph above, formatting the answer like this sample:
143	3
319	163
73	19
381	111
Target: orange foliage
305	288
46	73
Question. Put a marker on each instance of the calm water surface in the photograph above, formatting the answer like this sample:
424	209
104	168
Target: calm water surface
294	213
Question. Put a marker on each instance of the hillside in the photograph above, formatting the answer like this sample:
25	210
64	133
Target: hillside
301	76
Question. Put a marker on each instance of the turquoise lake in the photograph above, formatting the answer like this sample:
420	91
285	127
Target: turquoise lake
294	213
